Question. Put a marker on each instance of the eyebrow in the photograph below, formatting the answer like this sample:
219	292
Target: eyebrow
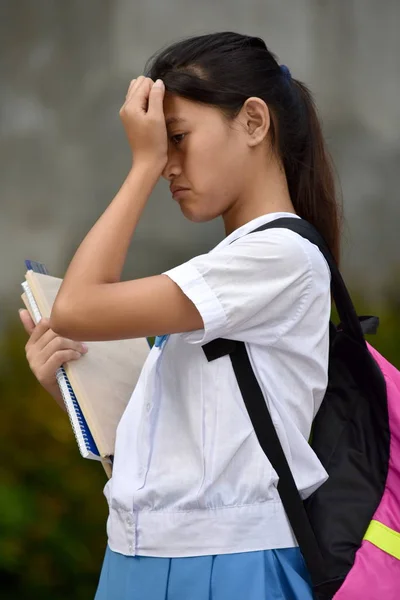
172	120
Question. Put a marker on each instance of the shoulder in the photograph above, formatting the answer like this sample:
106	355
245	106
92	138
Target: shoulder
283	246
282	242
273	249
276	258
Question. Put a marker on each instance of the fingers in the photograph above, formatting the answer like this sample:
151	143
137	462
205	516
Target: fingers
142	93
156	99
34	347
40	329
139	92
45	358
58	345
57	360
45	372
41	336
26	320
129	92
134	85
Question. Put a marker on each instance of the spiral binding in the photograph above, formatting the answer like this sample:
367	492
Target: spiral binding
86	443
84	438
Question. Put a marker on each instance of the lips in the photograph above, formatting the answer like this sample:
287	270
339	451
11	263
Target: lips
176	188
178	192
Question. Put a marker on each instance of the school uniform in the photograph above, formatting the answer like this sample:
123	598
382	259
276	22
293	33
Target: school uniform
194	511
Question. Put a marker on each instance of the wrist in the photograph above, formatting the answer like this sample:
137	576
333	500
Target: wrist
150	169
141	180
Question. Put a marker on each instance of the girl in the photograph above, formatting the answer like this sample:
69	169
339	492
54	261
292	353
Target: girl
194	511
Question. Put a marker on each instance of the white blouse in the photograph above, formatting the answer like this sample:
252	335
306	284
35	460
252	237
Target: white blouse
189	476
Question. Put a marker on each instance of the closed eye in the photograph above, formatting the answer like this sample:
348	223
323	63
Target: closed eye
177	141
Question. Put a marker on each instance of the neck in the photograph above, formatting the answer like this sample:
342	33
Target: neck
265	192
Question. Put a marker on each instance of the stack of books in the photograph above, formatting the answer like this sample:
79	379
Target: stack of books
97	387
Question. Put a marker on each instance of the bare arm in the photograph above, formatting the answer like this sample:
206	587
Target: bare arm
92	304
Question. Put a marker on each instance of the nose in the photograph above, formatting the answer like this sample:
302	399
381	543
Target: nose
172	169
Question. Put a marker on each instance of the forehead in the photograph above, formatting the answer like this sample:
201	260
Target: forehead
179	110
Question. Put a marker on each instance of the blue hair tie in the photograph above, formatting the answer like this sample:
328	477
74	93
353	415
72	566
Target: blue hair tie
285	72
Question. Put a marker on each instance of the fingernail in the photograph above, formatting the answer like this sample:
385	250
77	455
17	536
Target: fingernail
159	83
20	310
85	347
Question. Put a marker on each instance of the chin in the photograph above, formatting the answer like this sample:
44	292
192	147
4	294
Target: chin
195	214
197	217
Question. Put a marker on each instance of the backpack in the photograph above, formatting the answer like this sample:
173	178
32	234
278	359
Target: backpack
348	530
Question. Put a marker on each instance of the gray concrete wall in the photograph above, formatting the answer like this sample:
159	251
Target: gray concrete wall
64	71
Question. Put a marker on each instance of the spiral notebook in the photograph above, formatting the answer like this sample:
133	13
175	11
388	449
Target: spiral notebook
97	387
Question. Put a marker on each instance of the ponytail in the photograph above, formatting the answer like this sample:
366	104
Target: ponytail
310	175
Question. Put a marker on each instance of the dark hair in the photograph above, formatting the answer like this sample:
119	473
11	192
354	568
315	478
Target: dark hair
223	70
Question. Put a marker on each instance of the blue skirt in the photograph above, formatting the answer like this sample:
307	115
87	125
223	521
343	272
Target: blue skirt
263	575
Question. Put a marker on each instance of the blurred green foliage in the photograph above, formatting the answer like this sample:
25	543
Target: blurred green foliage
52	511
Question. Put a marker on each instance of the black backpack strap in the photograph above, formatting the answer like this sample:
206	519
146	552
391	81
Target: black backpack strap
269	442
369	324
257	407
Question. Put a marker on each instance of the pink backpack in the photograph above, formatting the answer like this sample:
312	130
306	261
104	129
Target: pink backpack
376	571
348	530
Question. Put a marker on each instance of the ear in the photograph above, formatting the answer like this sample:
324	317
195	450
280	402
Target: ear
256	120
